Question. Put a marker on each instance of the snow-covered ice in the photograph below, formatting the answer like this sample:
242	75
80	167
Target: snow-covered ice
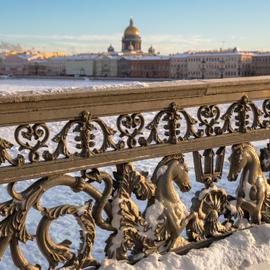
219	255
16	86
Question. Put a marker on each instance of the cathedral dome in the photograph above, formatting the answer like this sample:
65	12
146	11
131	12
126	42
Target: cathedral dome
110	49
131	41
131	30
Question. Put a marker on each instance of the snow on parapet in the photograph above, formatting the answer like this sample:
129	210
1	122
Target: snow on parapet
243	249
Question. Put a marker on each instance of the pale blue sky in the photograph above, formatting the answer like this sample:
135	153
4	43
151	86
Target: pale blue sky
170	25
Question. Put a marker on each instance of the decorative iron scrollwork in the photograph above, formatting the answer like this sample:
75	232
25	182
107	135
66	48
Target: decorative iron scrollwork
130	126
5	156
38	132
88	135
13	225
242	120
86	142
127	219
208	116
173	116
135	232
208	206
213	165
57	253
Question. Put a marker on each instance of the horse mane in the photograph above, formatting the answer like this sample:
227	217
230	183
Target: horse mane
165	160
247	146
254	151
244	145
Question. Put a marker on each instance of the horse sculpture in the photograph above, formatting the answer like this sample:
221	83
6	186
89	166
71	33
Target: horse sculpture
166	215
253	192
164	218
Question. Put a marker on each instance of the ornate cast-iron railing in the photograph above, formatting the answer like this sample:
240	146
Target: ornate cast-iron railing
162	120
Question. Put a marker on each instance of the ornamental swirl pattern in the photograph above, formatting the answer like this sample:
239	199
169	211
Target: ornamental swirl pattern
172	125
111	195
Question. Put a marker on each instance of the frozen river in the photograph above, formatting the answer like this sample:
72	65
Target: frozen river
11	86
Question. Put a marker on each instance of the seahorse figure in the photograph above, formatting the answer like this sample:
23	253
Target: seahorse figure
253	192
166	215
164	218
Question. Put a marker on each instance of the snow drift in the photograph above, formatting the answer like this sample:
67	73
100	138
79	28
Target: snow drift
247	249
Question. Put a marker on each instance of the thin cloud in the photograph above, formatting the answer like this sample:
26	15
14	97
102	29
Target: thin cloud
164	43
63	37
7	46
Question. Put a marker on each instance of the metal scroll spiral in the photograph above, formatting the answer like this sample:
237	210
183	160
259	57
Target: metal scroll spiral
130	126
85	139
24	134
13	228
208	117
239	113
175	119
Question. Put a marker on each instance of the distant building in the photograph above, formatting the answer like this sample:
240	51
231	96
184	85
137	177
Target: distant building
80	65
261	64
210	65
15	64
37	67
179	66
131	41
106	66
56	66
134	63
145	66
124	67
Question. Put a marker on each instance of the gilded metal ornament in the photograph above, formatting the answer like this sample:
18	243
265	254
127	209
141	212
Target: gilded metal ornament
208	206
130	126
209	118
211	169
5	146
87	135
174	117
253	193
111	206
127	220
38	132
84	126
15	211
239	112
171	215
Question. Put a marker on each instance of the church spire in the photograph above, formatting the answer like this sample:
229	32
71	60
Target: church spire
131	23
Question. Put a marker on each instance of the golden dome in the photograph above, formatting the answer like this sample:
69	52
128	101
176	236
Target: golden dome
131	30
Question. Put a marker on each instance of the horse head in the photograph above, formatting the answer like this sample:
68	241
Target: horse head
238	161
179	172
